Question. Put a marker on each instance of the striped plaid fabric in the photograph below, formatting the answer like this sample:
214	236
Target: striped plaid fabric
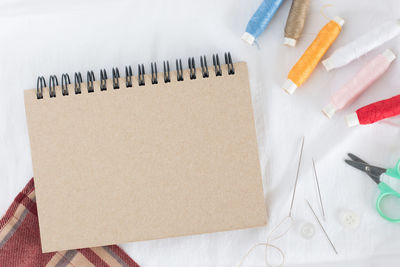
20	241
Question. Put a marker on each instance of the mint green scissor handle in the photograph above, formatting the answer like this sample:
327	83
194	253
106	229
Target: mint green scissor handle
387	191
394	172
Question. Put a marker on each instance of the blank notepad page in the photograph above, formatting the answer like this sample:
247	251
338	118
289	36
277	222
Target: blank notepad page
145	162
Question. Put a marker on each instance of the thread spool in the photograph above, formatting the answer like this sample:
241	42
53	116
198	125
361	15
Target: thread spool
362	45
295	22
302	70
359	83
260	20
375	112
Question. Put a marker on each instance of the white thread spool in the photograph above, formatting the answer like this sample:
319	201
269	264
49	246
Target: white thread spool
362	45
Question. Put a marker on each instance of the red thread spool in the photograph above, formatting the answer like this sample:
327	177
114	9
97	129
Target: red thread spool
375	112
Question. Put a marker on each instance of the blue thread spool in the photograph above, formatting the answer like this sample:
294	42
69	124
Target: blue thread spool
260	20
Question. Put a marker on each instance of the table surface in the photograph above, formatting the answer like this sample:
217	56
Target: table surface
52	37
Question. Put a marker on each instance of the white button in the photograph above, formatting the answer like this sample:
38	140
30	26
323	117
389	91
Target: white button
349	219
307	230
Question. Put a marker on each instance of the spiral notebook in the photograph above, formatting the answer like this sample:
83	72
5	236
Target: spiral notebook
143	157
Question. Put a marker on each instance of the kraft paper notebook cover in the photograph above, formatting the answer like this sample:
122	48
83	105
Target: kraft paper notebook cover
116	162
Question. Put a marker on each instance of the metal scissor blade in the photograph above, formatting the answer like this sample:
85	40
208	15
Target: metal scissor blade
376	171
371	171
356	164
355	158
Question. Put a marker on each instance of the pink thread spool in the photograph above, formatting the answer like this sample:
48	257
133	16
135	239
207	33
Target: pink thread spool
359	83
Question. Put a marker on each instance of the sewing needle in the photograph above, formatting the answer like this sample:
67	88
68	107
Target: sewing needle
323	229
319	191
297	178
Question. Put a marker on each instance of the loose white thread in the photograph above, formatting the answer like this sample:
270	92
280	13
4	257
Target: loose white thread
268	244
322	11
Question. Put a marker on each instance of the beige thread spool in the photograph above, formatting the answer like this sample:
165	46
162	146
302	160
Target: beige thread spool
295	21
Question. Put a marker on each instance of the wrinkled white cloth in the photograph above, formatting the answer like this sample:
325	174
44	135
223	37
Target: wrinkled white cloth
52	37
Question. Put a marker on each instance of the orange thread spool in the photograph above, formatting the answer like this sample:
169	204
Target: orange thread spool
311	57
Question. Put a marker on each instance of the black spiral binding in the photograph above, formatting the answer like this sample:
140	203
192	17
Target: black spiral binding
53	82
192	68
141	75
78	81
204	67
217	65
41	82
66	81
154	79
90	81
128	76
179	70
229	63
115	78
167	75
103	80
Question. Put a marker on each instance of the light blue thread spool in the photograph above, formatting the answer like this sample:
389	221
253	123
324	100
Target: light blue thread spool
260	20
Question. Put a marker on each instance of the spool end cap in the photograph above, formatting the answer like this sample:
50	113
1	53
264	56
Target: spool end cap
248	38
327	64
389	55
289	42
289	87
329	110
352	120
338	20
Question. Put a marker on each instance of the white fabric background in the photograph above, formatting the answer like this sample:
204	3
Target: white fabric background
51	37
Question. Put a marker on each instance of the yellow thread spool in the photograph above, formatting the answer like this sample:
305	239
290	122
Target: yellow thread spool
311	57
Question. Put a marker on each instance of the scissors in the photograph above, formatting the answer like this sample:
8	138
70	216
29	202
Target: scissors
377	174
